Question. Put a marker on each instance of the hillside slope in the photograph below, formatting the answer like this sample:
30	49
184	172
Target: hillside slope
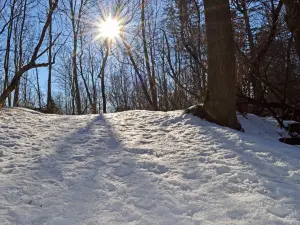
141	167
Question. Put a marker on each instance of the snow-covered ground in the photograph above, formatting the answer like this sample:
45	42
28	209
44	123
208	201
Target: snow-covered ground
141	167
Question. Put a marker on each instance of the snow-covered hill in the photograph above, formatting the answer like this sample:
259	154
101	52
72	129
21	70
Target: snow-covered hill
141	167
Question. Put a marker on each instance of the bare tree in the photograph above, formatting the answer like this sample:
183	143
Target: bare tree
19	56
220	101
32	62
292	20
76	11
49	92
151	75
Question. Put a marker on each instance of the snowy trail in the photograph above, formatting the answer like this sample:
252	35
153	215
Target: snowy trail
143	168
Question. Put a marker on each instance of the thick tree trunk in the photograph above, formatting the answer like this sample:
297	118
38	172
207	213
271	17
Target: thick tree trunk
292	19
220	101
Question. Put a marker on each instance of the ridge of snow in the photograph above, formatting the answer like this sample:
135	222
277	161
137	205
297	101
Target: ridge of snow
141	167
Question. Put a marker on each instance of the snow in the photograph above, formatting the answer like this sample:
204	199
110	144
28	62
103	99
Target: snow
141	167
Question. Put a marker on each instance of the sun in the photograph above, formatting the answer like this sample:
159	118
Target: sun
110	28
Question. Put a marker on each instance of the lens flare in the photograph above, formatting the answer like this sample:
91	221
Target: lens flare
110	29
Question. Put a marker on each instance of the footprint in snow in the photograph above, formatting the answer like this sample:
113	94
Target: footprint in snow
7	171
241	177
154	168
110	187
140	151
236	213
144	203
222	169
122	171
19	153
191	175
8	144
204	154
279	211
79	158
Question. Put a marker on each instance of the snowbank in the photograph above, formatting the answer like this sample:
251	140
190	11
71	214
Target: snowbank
141	167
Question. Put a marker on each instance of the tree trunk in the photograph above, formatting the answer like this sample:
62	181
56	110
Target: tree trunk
292	19
8	49
220	101
75	27
75	76
144	88
16	62
101	75
86	85
25	90
49	97
20	61
12	86
256	84
94	105
151	76
103	93
38	88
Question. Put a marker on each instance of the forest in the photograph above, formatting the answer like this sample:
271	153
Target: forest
100	103
54	57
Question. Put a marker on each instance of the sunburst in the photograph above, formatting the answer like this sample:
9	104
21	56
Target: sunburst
110	29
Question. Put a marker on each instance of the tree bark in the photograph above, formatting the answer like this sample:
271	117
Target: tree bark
292	19
220	101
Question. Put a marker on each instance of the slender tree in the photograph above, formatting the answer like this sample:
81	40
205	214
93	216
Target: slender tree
151	75
49	95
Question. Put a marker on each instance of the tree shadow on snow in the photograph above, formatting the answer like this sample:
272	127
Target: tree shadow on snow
275	165
91	177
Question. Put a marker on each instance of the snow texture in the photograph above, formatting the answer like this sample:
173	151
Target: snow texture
143	168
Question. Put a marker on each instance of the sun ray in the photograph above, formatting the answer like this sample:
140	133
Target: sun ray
110	28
